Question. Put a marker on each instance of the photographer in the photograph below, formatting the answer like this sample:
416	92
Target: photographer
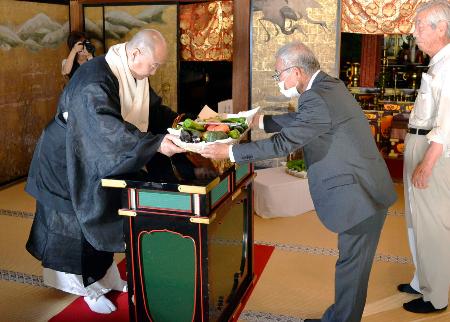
81	50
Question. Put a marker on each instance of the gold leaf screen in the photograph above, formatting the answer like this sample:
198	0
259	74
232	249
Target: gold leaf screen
206	31
379	16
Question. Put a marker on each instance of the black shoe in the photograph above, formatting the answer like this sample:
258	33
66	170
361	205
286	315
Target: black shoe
406	288
312	320
421	306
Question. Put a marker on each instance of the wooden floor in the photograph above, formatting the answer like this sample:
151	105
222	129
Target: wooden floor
297	283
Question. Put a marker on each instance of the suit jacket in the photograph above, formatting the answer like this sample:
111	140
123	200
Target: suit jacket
348	178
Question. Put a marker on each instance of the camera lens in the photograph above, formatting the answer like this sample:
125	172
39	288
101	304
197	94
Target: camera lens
89	46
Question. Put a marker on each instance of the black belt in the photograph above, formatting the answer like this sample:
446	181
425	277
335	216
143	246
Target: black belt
413	130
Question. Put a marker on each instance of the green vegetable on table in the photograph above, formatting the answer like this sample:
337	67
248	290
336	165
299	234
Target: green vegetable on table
297	165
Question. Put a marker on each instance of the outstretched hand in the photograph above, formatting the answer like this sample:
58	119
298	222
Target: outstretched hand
254	123
168	148
216	151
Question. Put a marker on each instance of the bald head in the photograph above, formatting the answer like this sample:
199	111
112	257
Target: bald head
148	38
146	51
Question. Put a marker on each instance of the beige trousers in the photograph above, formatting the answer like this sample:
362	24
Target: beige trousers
427	211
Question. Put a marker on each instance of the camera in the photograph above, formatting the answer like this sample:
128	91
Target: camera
89	46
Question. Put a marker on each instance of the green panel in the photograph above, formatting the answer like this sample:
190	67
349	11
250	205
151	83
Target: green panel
165	200
168	266
242	171
219	191
227	261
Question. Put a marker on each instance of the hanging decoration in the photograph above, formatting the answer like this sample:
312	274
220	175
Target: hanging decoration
206	31
379	16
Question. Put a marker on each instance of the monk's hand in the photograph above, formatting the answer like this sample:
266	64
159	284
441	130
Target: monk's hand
421	175
216	151
169	148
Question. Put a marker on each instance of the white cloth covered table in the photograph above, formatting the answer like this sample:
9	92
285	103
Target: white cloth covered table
278	194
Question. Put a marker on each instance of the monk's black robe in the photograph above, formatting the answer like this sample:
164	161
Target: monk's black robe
76	227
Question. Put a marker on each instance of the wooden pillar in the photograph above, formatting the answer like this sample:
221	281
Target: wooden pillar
76	16
371	54
241	55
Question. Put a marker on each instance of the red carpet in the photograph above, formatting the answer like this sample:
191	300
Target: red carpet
79	311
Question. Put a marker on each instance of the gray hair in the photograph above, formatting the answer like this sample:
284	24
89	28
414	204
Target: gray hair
146	38
439	10
298	54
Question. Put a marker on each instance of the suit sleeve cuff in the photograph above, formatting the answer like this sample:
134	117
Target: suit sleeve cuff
230	153
261	122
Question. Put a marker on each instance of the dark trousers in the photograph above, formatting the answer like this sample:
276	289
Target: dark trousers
357	248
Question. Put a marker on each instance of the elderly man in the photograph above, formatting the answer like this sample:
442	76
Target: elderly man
348	179
427	165
107	124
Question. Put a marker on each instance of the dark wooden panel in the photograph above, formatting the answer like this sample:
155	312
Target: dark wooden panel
76	16
241	55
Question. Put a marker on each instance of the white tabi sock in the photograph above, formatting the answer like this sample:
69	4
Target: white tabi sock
120	286
100	305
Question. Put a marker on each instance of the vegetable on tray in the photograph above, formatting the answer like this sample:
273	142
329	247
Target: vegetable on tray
199	131
193	135
190	124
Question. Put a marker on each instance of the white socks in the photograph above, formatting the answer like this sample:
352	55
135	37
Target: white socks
120	286
100	305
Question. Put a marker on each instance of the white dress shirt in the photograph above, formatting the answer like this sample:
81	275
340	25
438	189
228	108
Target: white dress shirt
261	119
432	106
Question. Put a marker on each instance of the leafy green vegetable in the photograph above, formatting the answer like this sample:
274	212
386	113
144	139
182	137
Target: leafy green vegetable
297	165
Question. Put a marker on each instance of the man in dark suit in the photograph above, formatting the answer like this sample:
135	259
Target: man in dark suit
348	179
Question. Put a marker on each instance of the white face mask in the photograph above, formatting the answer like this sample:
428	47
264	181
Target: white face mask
290	92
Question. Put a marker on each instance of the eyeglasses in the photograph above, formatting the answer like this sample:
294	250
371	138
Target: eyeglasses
420	24
146	51
155	65
277	75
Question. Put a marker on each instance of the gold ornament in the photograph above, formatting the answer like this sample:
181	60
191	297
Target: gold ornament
185	39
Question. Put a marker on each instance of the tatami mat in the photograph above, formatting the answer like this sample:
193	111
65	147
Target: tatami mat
399	205
27	303
305	229
302	285
394	239
294	284
13	237
15	198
